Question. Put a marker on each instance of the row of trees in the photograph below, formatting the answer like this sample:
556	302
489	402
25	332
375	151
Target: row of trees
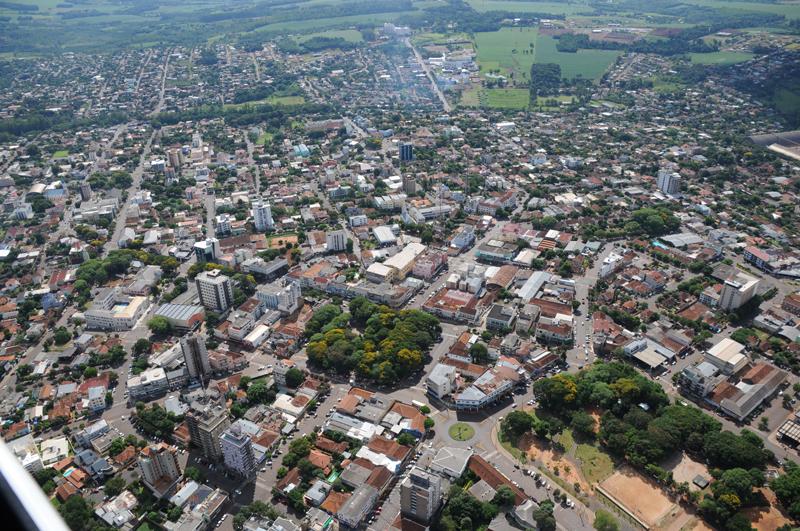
391	344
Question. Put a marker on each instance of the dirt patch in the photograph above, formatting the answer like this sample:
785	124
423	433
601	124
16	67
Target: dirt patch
596	415
684	468
767	518
534	449
277	242
639	496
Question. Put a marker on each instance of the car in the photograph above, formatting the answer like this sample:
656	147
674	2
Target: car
263	469
122	417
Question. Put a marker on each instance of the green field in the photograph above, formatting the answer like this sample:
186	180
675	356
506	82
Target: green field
505	50
272	100
595	465
60	154
720	58
790	10
461	431
553	8
350	35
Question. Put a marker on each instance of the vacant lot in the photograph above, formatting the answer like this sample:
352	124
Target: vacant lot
595	464
638	496
771	517
684	468
535	449
276	242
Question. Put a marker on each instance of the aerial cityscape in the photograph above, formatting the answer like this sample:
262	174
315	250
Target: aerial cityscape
459	265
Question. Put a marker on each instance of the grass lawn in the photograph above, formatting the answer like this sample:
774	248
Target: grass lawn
461	431
272	100
589	64
264	137
567	440
349	35
595	465
509	447
61	153
720	58
789	9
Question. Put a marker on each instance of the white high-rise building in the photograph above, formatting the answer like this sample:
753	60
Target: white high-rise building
336	240
215	290
262	216
669	182
420	495
237	451
285	299
736	291
196	356
159	468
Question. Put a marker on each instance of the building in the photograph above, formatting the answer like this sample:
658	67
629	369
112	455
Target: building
159	469
758	384
669	182
223	224
285	299
736	291
384	235
404	261
262	216
206	424
215	290
791	303
207	250
182	317
409	184
357	506
237	451
148	384
500	317
441	381
406	152
336	240
420	495
697	381
727	356
196	356
113	310
84	437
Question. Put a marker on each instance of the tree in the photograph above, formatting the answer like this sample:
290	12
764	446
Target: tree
429	423
516	423
142	346
479	353
583	424
90	372
504	497
603	521
406	439
294	377
61	336
787	489
425	410
77	513
544	516
114	486
193	473
159	326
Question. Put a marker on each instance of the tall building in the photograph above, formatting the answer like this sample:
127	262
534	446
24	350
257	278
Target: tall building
669	182
196	356
285	299
215	290
420	495
336	240
175	157
86	191
159	468
262	216
207	250
736	291
206	424
409	184
406	152
237	451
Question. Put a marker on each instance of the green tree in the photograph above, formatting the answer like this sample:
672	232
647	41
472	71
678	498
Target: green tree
114	486
504	497
516	423
406	439
479	353
294	377
604	521
193	473
429	423
142	346
61	336
159	326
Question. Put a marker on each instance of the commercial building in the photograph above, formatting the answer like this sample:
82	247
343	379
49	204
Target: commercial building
758	384
262	216
727	356
159	469
182	317
196	356
206	424
697	381
207	250
285	299
356	508
406	152
384	235
736	291
237	451
113	310
441	381
336	241
148	384
215	290
496	251
420	495
404	261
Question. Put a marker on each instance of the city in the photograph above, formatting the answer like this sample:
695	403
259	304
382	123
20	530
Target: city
416	265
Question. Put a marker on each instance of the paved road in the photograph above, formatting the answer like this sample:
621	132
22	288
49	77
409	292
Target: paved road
431	77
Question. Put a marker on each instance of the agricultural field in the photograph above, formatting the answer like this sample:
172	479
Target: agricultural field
789	9
553	8
509	51
350	35
720	58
